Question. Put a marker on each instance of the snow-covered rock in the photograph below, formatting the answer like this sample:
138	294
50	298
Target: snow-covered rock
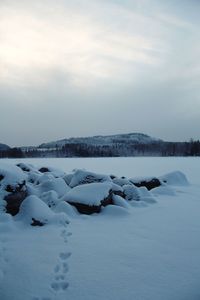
68	177
148	182
54	184
119	201
34	177
54	171
35	212
50	198
175	178
11	177
83	177
131	192
88	198
65	207
26	167
121	181
12	188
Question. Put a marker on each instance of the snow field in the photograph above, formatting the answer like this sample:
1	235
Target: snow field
134	250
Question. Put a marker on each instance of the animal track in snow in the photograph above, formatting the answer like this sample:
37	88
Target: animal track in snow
65	267
62	285
64	255
56	269
65	235
60	270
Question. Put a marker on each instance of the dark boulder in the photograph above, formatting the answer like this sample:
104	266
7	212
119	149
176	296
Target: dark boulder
148	183
36	223
44	170
14	200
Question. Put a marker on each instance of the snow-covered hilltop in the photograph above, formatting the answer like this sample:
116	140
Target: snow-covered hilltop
122	145
133	138
4	147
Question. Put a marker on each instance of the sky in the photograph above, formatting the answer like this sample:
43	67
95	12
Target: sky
71	68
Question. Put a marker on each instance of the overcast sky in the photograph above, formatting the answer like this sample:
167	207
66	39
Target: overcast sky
81	68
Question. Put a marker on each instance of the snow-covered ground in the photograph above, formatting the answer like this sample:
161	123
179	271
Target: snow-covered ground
146	251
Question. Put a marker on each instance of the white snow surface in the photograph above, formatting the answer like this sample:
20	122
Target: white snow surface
56	184
34	208
83	176
89	194
12	174
175	178
140	252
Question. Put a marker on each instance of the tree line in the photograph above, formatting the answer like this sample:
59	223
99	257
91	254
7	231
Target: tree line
158	148
191	148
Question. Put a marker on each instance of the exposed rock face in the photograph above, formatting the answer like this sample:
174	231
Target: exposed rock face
36	223
148	183
86	209
14	200
44	170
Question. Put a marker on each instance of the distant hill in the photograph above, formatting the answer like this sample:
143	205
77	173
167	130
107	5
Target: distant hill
131	144
4	147
99	140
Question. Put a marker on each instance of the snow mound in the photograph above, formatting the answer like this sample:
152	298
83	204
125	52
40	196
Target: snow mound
121	181
26	167
119	201
84	177
54	171
131	192
50	198
34	177
45	177
11	177
89	194
146	195
116	211
68	177
34	211
56	184
175	178
68	209
163	190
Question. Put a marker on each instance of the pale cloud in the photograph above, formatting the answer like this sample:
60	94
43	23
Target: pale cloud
97	67
85	49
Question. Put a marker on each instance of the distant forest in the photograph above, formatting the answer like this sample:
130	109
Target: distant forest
122	149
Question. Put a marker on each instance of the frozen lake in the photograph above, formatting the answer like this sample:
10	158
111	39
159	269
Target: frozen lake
144	252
